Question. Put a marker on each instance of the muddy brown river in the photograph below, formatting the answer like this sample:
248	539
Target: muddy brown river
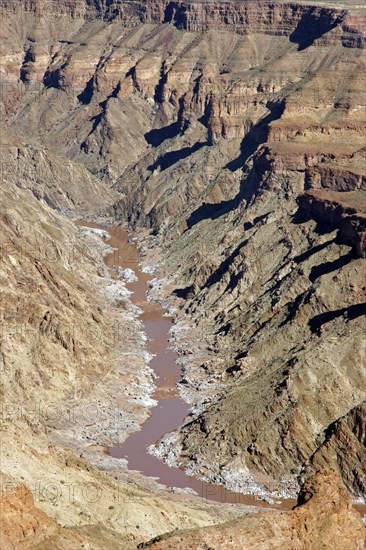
171	410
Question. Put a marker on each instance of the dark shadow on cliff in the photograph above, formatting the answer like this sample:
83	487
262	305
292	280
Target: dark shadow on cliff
217	275
256	136
314	250
325	226
157	137
86	95
168	159
349	313
327	267
97	119
311	27
303	216
247	149
293	307
184	293
248	187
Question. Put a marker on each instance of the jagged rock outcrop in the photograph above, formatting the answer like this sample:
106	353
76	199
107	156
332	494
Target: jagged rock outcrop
65	186
346	438
343	211
323	518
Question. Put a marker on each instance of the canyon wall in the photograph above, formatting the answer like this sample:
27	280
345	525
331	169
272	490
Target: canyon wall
302	22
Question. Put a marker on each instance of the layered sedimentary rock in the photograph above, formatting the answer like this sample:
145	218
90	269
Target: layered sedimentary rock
346	438
302	22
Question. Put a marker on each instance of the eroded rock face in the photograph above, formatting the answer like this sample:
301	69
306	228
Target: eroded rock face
323	518
346	437
25	526
65	186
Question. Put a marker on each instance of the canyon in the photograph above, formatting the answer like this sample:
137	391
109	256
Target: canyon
228	137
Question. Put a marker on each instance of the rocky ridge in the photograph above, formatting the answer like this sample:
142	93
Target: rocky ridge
330	522
347	212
